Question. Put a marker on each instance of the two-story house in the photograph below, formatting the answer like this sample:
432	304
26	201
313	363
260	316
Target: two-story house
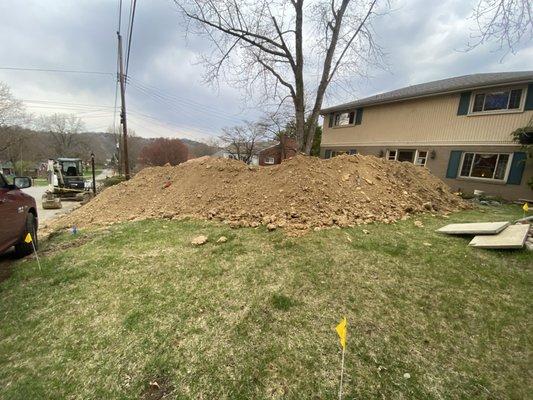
459	128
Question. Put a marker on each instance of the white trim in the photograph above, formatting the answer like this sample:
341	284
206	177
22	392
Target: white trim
475	178
268	160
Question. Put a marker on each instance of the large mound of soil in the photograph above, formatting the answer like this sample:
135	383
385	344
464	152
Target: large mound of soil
299	194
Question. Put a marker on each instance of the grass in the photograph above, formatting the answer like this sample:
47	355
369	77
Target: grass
136	311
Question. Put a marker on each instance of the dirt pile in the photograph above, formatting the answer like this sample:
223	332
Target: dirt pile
299	194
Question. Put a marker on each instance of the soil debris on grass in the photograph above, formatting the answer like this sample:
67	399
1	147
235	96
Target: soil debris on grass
300	194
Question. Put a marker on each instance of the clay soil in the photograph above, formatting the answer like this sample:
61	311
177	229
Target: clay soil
300	194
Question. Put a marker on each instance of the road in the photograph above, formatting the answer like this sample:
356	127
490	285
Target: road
46	215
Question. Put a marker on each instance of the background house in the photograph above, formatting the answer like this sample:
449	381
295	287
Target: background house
460	128
275	154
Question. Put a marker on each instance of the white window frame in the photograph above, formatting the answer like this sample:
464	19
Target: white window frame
501	111
417	156
270	160
507	168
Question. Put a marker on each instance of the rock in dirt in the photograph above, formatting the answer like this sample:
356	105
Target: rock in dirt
310	188
199	240
222	239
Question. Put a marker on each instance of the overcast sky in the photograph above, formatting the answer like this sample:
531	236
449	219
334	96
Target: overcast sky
424	40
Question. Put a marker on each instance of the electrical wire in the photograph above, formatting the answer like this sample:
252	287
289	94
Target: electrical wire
130	33
70	71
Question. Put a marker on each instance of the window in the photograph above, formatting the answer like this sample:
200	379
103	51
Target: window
269	160
508	99
352	152
344	119
421	157
417	157
492	166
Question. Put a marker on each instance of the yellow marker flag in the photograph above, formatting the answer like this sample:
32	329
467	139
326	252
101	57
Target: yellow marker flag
28	238
525	207
341	331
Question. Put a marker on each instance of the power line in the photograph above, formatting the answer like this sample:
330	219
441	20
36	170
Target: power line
179	103
69	71
130	33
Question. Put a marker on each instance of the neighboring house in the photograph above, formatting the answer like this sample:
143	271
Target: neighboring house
231	152
459	128
275	154
7	168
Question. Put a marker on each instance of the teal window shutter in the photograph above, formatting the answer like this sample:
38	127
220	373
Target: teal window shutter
529	97
464	103
359	116
517	168
453	163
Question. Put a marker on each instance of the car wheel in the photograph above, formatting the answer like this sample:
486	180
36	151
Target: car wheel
22	248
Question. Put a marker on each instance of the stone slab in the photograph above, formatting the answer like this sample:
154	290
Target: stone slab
475	228
512	237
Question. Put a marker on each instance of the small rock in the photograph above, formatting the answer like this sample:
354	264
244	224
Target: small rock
366	232
345	177
418	224
407	375
427	244
222	239
271	227
428	206
199	240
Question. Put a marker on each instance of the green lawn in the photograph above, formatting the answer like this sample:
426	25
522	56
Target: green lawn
253	318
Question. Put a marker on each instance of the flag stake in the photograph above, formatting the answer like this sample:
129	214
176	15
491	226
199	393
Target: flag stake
29	239
342	373
341	331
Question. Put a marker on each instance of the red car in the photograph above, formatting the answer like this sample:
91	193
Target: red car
18	216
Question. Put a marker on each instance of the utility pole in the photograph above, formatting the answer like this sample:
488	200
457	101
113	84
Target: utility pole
123	110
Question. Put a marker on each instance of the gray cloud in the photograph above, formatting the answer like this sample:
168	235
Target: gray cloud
166	96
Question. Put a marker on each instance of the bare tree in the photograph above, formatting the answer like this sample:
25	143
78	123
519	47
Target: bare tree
65	130
507	22
241	141
273	45
11	114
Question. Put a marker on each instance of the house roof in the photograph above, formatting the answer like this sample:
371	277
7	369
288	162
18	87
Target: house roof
449	85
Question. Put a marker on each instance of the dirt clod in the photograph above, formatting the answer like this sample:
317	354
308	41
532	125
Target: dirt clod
199	240
300	194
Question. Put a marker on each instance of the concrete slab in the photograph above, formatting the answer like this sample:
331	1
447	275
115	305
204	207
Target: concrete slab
475	228
512	237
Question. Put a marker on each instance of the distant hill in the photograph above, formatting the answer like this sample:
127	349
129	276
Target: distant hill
33	146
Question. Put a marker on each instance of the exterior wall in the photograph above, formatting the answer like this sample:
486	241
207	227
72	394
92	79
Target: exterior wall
431	120
432	124
275	152
439	165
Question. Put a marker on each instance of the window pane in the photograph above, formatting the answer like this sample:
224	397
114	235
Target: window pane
352	116
406	155
484	165
392	155
514	100
496	101
327	154
502	166
343	119
352	152
467	163
478	102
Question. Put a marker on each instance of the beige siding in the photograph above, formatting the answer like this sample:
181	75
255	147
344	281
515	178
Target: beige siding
430	121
